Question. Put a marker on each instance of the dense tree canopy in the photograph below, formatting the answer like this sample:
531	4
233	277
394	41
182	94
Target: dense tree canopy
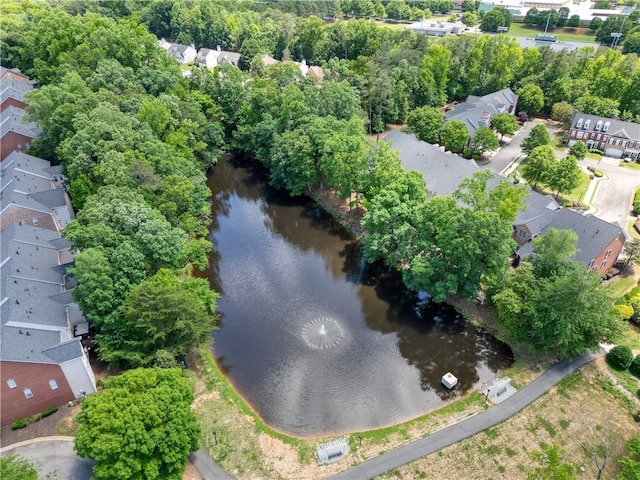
140	427
554	303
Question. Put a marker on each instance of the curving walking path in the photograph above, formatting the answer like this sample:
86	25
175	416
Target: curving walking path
56	454
466	428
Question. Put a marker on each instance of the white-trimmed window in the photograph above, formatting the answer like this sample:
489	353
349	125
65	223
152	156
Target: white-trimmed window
12	383
606	126
606	255
598	125
603	264
590	266
579	135
586	124
53	384
28	393
579	123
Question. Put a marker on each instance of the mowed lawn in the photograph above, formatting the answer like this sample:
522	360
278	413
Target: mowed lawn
565	34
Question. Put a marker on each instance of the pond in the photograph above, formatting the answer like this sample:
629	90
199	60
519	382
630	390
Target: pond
315	340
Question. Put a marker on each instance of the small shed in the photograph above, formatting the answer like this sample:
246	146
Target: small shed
332	451
449	380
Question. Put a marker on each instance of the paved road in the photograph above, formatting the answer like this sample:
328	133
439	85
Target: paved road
507	154
207	467
476	424
614	196
53	455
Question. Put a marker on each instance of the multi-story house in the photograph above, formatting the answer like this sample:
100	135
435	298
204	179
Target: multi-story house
615	138
599	243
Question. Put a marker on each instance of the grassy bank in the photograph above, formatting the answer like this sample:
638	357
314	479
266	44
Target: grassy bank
246	447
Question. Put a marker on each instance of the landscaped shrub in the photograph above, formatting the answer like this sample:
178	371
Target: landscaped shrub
620	357
596	151
18	424
48	411
634	368
625	311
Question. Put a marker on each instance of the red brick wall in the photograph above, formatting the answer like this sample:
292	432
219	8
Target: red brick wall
12	102
34	376
615	246
10	143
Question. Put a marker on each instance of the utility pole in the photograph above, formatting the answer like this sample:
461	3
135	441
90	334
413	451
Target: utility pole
617	35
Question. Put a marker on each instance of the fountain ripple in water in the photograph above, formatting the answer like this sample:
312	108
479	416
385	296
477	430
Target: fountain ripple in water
323	333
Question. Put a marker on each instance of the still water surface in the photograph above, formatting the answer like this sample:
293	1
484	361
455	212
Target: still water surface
314	341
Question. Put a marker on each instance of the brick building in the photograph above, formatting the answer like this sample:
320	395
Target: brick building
615	138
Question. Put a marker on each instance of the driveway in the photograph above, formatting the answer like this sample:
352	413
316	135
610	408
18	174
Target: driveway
512	151
53	456
614	197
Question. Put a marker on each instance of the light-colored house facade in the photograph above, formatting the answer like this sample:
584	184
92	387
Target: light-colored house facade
615	138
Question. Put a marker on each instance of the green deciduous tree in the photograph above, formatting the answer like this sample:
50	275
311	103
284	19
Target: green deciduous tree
15	467
551	465
531	99
492	20
568	310
392	221
563	113
426	123
140	427
504	124
164	312
539	135
484	140
539	166
578	150
632	44
565	175
455	135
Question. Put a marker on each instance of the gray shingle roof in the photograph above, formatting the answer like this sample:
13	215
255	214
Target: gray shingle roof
28	182
12	120
477	111
11	87
617	128
20	347
65	351
32	294
442	171
593	233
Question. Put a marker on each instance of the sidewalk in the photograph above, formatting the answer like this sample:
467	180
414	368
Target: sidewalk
467	428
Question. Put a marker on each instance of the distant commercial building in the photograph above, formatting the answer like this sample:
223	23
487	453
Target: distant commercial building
436	28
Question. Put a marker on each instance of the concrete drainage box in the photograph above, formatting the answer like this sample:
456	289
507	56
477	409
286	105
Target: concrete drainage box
332	451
